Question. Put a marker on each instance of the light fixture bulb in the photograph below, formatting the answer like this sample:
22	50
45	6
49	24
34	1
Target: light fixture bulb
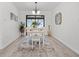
33	12
38	12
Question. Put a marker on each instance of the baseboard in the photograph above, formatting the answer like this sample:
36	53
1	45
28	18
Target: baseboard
10	43
66	45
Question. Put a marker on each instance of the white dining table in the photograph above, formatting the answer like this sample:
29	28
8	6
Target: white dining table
40	34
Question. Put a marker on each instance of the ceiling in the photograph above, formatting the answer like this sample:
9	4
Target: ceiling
29	6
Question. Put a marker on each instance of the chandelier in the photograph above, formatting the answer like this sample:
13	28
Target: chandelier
35	11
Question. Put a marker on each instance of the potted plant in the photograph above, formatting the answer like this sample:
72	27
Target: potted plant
34	24
21	28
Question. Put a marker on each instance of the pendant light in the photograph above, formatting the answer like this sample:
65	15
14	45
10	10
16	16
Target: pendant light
36	11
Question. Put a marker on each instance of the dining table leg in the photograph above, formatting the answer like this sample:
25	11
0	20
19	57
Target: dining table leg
43	40
39	43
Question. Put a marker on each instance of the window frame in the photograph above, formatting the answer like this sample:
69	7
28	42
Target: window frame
35	17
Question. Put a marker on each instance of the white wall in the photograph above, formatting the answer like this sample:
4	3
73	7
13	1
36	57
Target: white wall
8	28
68	31
47	14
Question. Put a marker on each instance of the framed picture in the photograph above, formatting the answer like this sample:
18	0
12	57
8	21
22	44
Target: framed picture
58	18
13	17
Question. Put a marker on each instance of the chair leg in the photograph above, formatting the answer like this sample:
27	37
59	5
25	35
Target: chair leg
32	44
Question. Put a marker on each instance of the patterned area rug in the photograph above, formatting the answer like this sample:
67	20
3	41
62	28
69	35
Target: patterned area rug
25	49
34	52
51	48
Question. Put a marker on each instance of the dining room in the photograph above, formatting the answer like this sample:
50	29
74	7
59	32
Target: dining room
39	29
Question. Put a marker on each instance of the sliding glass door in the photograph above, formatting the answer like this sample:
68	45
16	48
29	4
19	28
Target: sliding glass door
39	19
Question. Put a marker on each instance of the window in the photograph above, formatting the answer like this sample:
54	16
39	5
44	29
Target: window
39	19
29	22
